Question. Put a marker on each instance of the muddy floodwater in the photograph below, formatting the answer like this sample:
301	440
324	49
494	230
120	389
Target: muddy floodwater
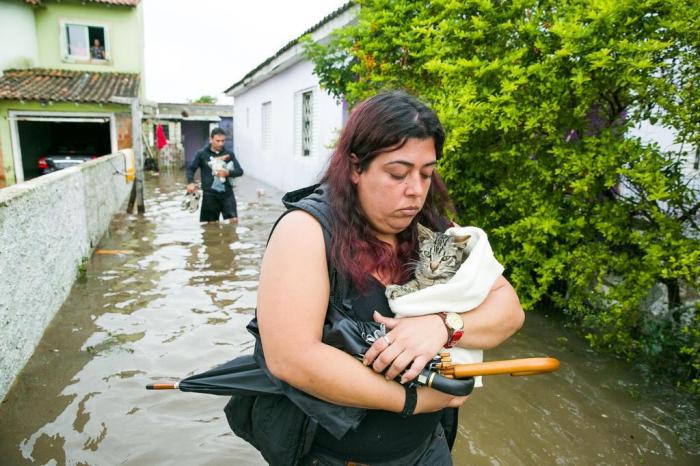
178	303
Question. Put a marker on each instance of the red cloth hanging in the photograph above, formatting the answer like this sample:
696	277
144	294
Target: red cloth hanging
161	140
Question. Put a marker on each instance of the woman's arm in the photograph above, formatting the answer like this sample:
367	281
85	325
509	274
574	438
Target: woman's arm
292	302
494	320
415	340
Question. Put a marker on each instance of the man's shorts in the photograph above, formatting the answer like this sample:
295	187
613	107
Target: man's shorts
214	205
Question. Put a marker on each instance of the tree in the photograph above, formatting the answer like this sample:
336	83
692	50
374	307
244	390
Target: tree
205	99
537	98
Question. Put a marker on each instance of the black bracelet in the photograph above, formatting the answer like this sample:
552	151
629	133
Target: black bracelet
411	399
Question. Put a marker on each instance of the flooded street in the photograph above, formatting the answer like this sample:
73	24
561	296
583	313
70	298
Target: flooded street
178	303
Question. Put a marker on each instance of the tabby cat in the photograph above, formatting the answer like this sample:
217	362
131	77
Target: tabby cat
440	257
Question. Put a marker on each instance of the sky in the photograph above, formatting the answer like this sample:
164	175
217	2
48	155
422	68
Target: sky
202	47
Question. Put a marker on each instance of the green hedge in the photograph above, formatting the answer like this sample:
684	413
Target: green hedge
538	98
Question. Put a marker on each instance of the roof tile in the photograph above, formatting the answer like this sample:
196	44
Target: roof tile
42	84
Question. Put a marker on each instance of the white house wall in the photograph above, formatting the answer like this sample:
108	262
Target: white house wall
665	138
281	165
17	36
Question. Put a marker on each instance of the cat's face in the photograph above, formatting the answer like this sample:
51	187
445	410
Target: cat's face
440	254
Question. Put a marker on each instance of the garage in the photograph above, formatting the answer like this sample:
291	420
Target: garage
70	137
75	111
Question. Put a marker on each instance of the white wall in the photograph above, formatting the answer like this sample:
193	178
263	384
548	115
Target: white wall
18	47
280	166
665	138
47	226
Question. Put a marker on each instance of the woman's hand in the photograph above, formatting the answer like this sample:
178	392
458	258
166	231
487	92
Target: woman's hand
430	400
412	341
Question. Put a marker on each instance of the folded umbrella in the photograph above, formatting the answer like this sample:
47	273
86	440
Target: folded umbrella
241	376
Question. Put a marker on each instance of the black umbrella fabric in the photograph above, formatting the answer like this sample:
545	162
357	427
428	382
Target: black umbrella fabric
241	376
248	375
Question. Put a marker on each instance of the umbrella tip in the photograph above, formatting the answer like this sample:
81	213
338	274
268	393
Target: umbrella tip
161	386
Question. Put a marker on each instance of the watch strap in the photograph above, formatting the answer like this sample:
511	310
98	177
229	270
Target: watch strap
453	334
450	330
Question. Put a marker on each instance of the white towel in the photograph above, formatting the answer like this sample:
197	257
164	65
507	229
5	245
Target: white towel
463	292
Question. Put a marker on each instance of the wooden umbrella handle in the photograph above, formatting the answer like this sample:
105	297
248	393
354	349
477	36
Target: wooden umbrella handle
526	366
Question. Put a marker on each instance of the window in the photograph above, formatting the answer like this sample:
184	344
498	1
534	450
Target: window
306	119
85	42
266	125
304	123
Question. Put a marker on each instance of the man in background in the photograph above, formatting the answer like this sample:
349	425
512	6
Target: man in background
215	203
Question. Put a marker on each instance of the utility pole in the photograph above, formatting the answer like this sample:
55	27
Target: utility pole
137	188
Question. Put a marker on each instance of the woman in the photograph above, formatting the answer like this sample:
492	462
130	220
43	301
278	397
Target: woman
381	182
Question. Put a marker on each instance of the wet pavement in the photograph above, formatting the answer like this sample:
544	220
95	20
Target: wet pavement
178	304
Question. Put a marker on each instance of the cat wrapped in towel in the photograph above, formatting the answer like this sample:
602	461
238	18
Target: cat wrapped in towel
454	273
216	164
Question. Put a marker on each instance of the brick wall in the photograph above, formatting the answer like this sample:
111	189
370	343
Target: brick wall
124	139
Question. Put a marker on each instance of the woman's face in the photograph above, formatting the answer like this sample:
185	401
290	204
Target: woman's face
393	188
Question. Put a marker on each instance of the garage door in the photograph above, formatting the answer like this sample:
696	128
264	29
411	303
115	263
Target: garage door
64	138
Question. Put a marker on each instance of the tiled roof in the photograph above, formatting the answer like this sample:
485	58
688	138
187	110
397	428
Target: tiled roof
292	43
108	2
40	84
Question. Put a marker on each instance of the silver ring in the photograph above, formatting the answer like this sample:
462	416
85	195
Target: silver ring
386	339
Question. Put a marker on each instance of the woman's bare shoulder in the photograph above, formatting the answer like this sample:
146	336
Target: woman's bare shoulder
300	230
298	220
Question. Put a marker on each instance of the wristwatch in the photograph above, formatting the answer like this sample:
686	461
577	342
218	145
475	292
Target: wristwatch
455	327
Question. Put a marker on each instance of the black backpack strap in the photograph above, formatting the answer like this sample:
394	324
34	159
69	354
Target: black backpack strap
314	201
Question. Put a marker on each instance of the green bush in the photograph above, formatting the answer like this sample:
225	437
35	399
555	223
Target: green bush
538	98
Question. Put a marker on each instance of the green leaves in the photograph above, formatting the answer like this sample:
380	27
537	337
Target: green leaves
537	97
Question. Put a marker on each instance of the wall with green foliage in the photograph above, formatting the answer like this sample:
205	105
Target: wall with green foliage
536	97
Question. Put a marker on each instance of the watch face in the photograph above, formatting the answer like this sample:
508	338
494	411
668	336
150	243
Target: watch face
454	320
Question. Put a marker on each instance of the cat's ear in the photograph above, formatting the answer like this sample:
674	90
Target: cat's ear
424	232
461	241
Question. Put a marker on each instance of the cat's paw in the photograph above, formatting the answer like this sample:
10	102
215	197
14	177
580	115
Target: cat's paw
393	292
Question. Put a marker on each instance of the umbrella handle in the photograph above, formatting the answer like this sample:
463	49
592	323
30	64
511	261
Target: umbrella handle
515	367
455	387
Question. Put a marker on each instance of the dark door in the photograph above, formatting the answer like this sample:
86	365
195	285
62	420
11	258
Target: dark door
226	124
195	134
41	139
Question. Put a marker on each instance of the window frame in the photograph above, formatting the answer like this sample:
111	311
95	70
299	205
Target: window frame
65	49
266	125
300	141
307	134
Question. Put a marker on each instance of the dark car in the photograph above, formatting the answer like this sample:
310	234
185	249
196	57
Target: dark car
64	157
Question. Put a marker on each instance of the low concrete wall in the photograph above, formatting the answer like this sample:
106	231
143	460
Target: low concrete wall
47	226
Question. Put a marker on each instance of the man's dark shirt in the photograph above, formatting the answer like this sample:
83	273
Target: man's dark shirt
201	161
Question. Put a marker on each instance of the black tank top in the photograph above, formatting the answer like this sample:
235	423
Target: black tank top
382	435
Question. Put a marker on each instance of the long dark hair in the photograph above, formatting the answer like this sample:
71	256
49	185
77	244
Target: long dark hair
376	125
